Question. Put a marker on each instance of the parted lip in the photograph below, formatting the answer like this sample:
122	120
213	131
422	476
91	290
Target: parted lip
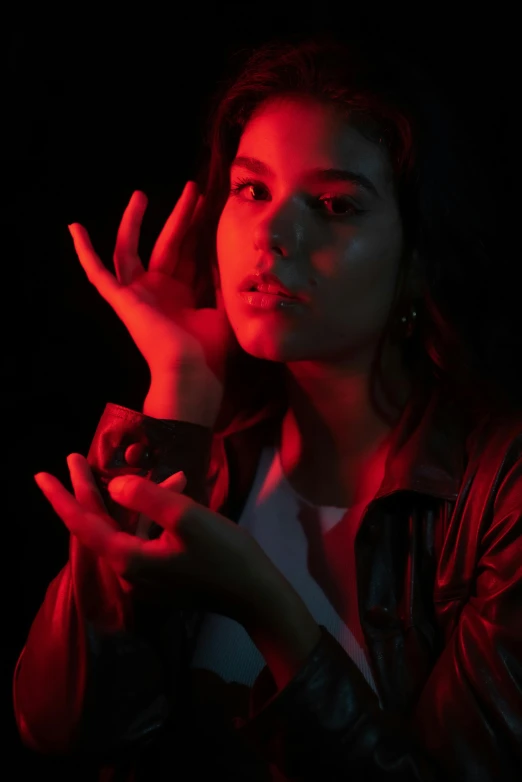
266	278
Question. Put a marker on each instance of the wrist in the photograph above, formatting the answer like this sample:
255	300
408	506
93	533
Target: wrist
183	397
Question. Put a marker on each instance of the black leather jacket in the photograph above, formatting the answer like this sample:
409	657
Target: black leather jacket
439	573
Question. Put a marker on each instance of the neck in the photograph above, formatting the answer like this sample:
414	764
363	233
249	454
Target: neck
331	434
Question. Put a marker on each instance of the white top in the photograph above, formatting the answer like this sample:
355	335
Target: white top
314	548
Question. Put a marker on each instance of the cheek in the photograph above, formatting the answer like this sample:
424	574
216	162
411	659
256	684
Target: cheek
362	285
230	239
371	264
232	262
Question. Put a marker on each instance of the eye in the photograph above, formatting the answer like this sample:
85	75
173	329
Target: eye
338	206
249	190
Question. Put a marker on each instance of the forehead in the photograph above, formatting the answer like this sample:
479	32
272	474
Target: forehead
297	133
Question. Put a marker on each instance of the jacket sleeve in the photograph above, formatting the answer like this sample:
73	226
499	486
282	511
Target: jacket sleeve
91	677
326	724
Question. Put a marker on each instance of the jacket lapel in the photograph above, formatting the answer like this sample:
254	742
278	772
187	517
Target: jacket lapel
395	560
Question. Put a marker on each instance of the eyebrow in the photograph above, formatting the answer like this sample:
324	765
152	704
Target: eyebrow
314	175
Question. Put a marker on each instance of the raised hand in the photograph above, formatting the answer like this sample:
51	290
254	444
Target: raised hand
157	304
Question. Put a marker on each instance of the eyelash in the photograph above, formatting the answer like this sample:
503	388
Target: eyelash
239	185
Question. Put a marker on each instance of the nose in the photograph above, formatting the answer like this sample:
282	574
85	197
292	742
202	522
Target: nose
279	231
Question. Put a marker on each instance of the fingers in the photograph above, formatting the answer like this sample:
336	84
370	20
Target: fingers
164	257
176	482
85	515
91	529
88	495
85	489
127	263
144	496
104	282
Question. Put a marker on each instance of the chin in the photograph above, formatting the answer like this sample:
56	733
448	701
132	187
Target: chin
279	351
267	351
285	345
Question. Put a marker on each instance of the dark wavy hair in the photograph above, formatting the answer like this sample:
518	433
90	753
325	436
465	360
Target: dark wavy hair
460	338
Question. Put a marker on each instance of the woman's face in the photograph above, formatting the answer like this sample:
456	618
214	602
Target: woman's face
293	212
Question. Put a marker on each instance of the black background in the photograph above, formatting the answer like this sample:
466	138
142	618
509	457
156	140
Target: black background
93	109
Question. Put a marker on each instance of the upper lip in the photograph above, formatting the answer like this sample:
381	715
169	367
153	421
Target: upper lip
267	278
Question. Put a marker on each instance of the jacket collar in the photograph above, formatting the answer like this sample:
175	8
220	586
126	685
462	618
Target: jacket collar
428	448
428	445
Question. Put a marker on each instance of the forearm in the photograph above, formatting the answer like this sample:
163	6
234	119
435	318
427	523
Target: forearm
184	397
286	635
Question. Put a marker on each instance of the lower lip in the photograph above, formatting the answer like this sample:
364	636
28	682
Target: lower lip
269	301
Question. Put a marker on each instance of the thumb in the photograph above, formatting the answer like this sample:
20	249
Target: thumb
140	494
175	482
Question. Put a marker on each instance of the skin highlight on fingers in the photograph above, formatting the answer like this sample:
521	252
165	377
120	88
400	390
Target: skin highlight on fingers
90	528
127	264
143	496
175	482
84	485
127	238
164	254
96	531
102	279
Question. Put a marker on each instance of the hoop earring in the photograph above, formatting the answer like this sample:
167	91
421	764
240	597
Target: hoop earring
408	322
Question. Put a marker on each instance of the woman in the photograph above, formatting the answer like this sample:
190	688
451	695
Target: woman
340	577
